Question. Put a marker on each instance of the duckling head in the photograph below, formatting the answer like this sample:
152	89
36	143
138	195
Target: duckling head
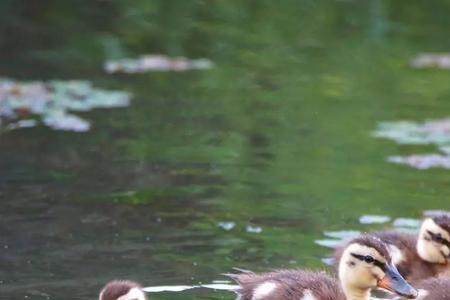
366	264
122	290
433	243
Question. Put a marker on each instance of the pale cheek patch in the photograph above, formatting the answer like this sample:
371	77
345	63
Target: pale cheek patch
308	295
396	254
264	290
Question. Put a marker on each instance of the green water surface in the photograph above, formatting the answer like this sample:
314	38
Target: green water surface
277	135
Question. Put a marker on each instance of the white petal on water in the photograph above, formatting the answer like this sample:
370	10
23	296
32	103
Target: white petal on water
435	212
445	149
221	286
329	243
408	230
22	124
423	161
253	229
406	132
51	101
181	288
226	225
343	234
431	60
169	288
373	219
63	121
152	62
406	222
329	261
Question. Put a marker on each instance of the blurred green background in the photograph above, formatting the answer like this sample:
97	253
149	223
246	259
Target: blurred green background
277	135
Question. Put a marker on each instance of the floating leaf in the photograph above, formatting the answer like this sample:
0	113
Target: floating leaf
51	102
60	120
343	234
168	288
329	243
373	219
181	288
329	261
226	225
152	62
422	161
435	212
221	286
406	222
253	229
435	132
432	60
414	133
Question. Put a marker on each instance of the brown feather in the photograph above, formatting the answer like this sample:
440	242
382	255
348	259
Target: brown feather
116	289
291	284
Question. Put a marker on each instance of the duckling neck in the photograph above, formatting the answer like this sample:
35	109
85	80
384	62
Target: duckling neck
352	293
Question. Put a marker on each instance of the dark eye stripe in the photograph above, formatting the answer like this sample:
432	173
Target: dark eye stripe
376	262
438	238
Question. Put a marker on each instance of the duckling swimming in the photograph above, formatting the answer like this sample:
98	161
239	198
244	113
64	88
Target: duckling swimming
419	256
365	264
122	290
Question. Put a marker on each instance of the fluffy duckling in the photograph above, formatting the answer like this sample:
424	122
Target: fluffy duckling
420	256
365	264
122	290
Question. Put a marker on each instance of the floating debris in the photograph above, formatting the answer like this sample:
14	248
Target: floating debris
435	212
168	288
374	219
343	234
21	124
26	104
422	161
432	60
435	132
253	229
406	222
181	288
226	225
329	261
415	133
329	243
221	286
153	62
337	238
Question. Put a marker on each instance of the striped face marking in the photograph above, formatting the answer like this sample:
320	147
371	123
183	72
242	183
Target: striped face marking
370	260
438	238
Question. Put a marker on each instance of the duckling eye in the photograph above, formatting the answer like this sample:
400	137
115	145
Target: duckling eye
369	259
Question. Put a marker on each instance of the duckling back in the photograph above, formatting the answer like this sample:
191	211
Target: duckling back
288	284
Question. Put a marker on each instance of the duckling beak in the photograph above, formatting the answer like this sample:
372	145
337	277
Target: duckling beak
395	283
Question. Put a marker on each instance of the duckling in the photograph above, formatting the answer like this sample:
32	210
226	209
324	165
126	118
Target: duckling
122	290
365	264
419	256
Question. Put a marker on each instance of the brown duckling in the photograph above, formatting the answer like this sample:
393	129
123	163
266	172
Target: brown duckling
365	264
122	290
419	256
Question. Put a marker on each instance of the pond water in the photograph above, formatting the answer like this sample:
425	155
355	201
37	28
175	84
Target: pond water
243	165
